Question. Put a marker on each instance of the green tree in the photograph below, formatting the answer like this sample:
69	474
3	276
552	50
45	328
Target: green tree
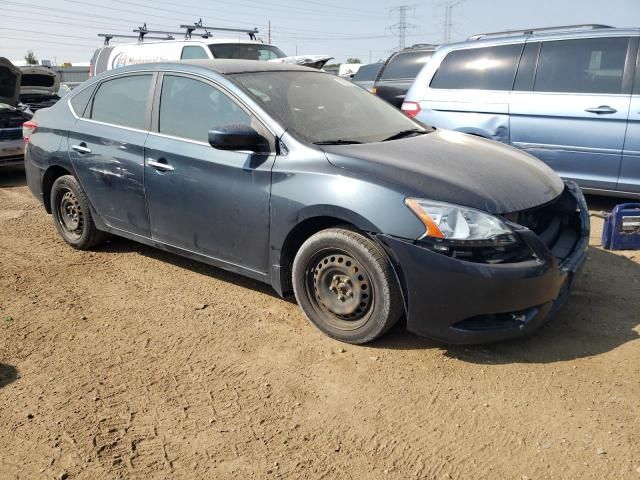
354	60
30	58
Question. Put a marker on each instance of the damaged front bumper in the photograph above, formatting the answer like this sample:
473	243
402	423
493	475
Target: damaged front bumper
458	301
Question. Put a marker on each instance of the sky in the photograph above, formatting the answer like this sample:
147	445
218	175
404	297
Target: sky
66	30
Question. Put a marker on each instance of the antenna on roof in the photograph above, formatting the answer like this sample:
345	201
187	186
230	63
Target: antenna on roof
207	34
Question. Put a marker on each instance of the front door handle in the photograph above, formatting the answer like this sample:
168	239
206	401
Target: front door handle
161	166
601	110
82	148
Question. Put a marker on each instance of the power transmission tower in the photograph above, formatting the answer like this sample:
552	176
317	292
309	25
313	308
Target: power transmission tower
402	26
448	18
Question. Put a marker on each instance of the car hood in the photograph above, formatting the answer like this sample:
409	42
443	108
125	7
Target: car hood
39	80
453	167
9	83
313	61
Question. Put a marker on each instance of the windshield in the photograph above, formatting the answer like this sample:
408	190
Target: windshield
322	108
246	51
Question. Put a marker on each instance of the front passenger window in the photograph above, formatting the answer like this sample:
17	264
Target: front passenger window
123	101
190	108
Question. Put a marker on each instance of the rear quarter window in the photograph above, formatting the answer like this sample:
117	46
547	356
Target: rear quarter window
405	65
485	68
81	99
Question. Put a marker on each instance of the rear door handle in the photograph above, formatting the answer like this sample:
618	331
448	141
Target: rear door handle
82	148
161	166
601	110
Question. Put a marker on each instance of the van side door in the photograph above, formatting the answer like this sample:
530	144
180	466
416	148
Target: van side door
629	179
571	109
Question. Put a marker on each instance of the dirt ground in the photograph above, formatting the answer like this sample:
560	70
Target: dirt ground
128	362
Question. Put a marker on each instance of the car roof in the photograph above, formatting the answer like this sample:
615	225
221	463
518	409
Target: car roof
221	66
496	39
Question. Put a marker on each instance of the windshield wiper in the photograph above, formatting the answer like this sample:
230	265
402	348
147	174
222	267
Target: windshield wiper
337	142
405	133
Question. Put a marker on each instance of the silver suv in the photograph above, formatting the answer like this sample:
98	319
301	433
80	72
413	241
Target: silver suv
568	95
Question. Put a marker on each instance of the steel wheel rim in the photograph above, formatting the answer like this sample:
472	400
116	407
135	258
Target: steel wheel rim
70	216
340	289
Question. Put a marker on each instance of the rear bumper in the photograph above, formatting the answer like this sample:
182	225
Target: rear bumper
11	152
457	301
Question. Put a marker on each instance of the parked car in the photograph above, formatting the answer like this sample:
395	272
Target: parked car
399	72
302	180
203	46
366	75
12	115
39	87
565	95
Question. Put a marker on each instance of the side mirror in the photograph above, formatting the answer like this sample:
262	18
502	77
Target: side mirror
238	138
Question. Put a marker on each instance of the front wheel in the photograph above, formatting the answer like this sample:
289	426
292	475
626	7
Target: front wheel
72	216
345	284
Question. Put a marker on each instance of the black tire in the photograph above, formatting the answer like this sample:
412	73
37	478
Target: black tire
72	216
345	285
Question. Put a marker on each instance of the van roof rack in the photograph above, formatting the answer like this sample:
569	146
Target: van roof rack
422	45
207	30
141	36
533	31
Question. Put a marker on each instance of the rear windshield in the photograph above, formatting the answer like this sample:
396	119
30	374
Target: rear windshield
33	80
246	51
319	107
406	65
367	72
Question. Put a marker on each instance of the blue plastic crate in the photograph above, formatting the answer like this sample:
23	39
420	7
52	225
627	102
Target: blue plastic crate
622	228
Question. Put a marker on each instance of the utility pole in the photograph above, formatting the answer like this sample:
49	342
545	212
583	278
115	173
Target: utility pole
269	32
402	26
448	18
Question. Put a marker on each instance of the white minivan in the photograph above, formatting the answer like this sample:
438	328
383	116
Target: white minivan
203	47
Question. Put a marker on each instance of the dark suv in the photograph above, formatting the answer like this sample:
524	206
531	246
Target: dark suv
304	181
399	71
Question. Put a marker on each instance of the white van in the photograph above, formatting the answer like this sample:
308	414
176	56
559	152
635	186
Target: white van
204	47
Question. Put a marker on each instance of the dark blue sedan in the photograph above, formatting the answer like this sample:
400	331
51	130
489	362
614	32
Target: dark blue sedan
302	180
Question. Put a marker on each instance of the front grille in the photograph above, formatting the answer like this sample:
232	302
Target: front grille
556	223
10	133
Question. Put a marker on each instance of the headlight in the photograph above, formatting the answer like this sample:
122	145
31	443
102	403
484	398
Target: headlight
457	225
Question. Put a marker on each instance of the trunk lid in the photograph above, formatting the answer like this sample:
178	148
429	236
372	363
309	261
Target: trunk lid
9	83
313	61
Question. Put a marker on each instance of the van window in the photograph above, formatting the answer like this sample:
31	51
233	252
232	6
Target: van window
486	68
406	65
190	108
193	51
80	100
245	51
590	65
122	101
367	72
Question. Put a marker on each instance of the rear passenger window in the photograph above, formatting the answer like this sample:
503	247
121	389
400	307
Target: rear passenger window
122	101
190	108
191	52
367	72
592	65
405	65
80	100
488	68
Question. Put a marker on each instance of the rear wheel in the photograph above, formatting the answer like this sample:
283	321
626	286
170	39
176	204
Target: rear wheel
345	284
72	216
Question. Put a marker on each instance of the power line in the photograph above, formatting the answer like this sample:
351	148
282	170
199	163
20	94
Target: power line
448	18
402	26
